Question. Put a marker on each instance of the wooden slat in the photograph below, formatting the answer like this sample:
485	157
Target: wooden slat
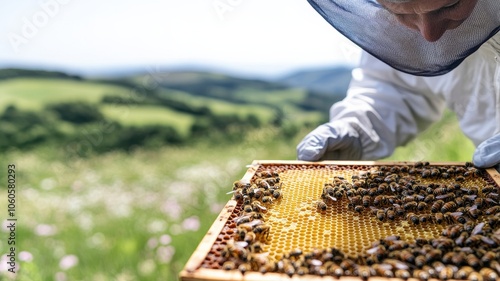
208	241
352	163
204	274
494	174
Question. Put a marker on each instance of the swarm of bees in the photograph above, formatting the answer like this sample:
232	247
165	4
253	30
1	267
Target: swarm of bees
244	251
468	249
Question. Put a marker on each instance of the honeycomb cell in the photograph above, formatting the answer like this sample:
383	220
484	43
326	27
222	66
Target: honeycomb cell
296	222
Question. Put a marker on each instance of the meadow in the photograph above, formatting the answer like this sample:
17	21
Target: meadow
138	214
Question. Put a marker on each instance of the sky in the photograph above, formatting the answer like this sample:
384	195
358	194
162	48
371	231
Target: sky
249	37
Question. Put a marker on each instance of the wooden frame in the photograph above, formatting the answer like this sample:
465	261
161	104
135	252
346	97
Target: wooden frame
193	272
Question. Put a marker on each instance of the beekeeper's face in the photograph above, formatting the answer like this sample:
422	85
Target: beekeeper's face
430	17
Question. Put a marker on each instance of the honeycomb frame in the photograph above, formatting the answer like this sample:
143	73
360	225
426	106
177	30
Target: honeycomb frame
193	270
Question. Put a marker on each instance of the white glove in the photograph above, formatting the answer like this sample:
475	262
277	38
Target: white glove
487	154
331	141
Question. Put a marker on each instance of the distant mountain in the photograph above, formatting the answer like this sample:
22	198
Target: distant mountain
330	81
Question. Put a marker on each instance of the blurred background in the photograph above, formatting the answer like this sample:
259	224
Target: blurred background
128	121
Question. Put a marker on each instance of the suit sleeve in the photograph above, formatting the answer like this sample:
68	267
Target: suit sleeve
387	108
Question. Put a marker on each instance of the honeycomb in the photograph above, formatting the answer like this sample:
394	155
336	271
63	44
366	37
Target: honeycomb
297	223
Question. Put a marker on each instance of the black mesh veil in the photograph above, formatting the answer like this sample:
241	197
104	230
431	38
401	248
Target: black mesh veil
375	30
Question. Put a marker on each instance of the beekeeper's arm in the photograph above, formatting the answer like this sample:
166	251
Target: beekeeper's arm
384	108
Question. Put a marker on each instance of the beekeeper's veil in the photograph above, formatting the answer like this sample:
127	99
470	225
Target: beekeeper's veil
377	31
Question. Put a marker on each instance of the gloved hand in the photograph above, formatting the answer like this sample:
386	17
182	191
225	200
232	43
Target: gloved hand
487	154
331	141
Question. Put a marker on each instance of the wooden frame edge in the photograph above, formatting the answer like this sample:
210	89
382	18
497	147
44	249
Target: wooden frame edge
349	162
192	266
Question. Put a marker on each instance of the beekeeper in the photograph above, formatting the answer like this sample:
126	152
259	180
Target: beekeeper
420	56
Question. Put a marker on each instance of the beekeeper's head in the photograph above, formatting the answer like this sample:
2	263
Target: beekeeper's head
432	18
419	37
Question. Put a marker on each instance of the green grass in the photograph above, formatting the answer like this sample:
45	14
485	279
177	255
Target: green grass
149	115
34	94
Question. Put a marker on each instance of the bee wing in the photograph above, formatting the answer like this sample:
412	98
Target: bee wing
478	228
241	244
331	197
372	250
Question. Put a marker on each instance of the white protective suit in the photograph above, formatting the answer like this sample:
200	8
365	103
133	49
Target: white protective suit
385	108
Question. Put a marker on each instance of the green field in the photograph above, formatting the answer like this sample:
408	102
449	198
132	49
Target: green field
139	215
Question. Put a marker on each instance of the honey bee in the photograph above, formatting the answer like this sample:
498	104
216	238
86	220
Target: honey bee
247	209
421	274
247	200
406	256
464	272
366	200
347	264
255	247
335	270
446	197
460	241
438	218
277	194
493	210
257	207
380	215
243	219
429	198
443	243
475	276
302	270
236	249
436	206
321	205
488	274
426	173
495	264
229	265
398	209
355	200
411	217
469	198
268	266
433	255
384	270
257	193
402	273
244	267
262	230
249	237
488	189
474	212
420	261
378	200
440	190
390	213
424	218
410	205
289	269
238	195
421	206
267	199
294	253
489	256
448	272
473	261
459	178
448	207
364	271
359	208
435	172
445	175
